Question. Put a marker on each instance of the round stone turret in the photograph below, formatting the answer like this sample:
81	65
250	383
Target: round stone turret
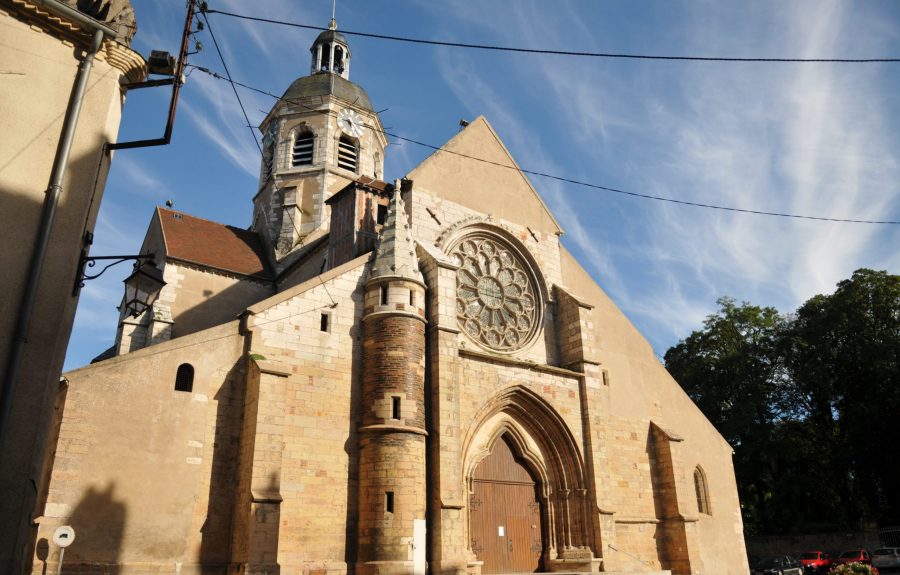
392	473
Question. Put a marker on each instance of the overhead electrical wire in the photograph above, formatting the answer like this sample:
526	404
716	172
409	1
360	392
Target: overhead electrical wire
612	55
225	66
203	12
561	178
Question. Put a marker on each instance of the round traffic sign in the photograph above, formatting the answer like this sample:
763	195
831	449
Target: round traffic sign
64	536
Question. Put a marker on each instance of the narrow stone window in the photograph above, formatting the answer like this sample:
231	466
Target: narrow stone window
605	378
302	153
326	56
347	154
384	295
323	322
389	501
184	378
338	60
395	407
702	491
380	214
412	298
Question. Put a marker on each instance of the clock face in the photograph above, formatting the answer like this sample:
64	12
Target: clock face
350	123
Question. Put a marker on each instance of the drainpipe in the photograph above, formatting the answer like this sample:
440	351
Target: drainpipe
51	200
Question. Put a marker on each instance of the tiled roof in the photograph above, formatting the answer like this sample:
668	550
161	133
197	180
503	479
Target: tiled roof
215	245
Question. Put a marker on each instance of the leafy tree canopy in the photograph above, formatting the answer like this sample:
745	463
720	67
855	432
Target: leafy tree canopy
808	402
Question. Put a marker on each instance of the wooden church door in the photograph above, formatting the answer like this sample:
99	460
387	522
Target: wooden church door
505	514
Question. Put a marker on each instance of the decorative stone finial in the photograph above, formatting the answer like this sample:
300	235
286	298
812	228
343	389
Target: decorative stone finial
395	254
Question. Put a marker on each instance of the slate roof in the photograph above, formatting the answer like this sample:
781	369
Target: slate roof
325	84
214	245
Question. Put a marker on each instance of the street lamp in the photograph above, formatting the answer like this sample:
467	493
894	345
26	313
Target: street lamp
142	287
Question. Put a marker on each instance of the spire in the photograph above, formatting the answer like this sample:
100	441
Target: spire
395	253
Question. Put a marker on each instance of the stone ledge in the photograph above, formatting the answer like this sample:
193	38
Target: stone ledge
520	363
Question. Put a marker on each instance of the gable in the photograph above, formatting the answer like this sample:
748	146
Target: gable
211	244
477	171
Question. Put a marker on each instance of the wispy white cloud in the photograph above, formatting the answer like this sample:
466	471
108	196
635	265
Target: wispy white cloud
223	124
804	139
480	98
140	179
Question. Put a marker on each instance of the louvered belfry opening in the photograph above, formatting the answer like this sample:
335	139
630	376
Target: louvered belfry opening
302	154
348	154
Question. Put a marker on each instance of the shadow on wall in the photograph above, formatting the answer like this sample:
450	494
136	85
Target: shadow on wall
22	191
99	523
222	307
216	530
351	446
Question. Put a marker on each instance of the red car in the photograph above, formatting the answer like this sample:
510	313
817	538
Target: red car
854	556
815	562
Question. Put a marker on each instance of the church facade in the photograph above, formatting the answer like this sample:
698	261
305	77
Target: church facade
381	379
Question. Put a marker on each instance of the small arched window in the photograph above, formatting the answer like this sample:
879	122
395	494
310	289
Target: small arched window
347	154
184	378
302	154
701	490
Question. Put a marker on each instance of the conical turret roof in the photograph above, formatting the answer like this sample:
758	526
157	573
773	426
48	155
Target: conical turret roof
395	254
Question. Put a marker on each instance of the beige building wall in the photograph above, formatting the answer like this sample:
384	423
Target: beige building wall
315	470
194	298
636	389
145	473
641	391
39	56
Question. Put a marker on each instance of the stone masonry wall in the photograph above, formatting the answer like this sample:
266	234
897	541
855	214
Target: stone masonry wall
320	406
145	473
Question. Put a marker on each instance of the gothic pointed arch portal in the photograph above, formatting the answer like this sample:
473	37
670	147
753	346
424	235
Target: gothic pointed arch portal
505	512
519	440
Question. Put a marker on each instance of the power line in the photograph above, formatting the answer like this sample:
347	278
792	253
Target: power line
556	52
564	179
225	66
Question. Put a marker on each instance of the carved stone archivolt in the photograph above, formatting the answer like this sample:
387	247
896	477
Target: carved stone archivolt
497	302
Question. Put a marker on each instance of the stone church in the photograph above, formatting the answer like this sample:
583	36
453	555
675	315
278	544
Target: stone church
381	379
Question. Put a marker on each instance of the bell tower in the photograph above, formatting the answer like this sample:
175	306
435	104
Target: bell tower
322	134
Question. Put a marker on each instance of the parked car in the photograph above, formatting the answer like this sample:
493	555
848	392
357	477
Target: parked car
854	556
778	565
815	562
886	558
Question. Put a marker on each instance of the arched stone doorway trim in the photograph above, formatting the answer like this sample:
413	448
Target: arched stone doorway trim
540	437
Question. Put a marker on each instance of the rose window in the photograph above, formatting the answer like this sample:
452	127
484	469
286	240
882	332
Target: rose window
495	296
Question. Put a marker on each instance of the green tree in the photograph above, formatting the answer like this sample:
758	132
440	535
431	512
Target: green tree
842	354
809	402
732	371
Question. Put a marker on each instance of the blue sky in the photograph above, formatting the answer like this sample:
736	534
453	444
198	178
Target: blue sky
813	139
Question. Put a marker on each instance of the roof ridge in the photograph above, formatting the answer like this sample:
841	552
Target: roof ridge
171	211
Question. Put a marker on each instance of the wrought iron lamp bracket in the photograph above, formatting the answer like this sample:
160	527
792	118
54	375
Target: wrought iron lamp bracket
87	262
